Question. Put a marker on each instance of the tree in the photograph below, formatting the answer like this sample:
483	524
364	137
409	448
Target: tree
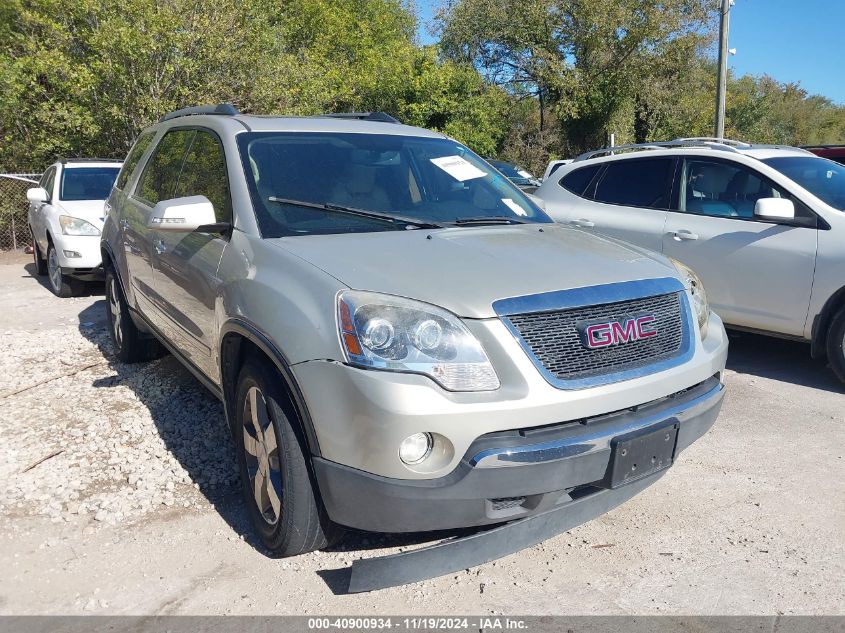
582	58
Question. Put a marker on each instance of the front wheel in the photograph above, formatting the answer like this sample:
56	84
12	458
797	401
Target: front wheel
130	344
62	285
282	498
836	344
38	258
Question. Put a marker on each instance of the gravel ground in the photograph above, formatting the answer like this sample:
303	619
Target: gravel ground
120	495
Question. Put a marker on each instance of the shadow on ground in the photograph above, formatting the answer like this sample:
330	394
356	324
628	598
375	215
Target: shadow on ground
778	359
191	422
89	289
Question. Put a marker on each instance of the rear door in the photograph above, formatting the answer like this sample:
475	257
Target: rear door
757	274
157	182
185	264
630	198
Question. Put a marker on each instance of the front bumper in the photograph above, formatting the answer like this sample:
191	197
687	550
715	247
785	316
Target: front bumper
511	475
87	247
456	554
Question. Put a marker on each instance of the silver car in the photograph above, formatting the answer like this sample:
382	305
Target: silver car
761	224
403	341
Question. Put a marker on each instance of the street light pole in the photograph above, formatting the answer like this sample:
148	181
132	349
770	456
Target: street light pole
722	80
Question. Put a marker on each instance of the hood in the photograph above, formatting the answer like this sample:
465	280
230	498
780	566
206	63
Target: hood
88	210
466	269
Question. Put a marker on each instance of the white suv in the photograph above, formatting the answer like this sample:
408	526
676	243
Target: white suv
762	225
66	217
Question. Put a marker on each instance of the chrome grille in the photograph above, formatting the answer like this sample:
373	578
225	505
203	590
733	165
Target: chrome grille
554	340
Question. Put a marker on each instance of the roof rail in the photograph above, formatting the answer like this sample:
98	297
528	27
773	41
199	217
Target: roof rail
63	160
681	142
380	117
713	139
221	108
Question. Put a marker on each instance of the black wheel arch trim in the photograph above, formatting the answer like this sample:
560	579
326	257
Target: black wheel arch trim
251	332
822	321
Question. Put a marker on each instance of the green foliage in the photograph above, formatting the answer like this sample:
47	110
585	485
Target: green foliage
527	80
586	59
84	77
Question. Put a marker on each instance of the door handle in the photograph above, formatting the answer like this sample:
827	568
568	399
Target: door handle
583	223
160	247
124	224
684	235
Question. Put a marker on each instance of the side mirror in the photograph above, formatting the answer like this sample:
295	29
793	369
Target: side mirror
182	214
37	195
774	209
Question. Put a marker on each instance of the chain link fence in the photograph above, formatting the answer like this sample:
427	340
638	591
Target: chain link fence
14	230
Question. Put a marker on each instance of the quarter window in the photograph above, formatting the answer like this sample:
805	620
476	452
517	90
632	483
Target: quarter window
637	183
133	157
204	174
577	180
161	174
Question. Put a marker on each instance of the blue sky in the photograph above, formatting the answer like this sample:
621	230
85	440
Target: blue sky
790	40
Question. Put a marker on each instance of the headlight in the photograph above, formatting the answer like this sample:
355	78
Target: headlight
398	334
698	297
75	226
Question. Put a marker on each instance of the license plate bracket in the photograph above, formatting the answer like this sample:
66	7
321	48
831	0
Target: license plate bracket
642	453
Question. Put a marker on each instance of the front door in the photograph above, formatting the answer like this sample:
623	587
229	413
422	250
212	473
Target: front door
40	211
185	264
757	274
157	182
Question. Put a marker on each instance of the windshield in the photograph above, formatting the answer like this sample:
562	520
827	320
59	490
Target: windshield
87	183
821	177
429	180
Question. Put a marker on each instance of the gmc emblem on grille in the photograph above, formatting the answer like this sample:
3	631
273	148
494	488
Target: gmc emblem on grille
598	335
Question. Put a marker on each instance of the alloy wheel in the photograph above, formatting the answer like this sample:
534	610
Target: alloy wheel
261	451
115	312
54	270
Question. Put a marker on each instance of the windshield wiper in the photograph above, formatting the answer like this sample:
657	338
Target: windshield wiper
361	213
493	219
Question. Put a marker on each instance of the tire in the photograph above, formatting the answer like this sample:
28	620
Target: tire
836	344
38	258
278	488
62	285
130	344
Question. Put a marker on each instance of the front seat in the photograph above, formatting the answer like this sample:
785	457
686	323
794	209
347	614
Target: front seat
705	186
358	188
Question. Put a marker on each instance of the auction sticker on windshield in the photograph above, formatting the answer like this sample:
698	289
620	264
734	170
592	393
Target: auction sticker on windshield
513	206
458	168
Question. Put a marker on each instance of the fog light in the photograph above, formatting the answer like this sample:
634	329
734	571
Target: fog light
415	448
71	253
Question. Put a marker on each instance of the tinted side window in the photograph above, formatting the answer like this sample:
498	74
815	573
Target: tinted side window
47	181
133	157
724	189
637	183
576	181
162	171
204	174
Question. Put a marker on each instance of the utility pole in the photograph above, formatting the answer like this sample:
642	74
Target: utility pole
722	79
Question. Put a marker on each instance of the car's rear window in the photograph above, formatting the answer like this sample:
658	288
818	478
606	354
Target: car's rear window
87	183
